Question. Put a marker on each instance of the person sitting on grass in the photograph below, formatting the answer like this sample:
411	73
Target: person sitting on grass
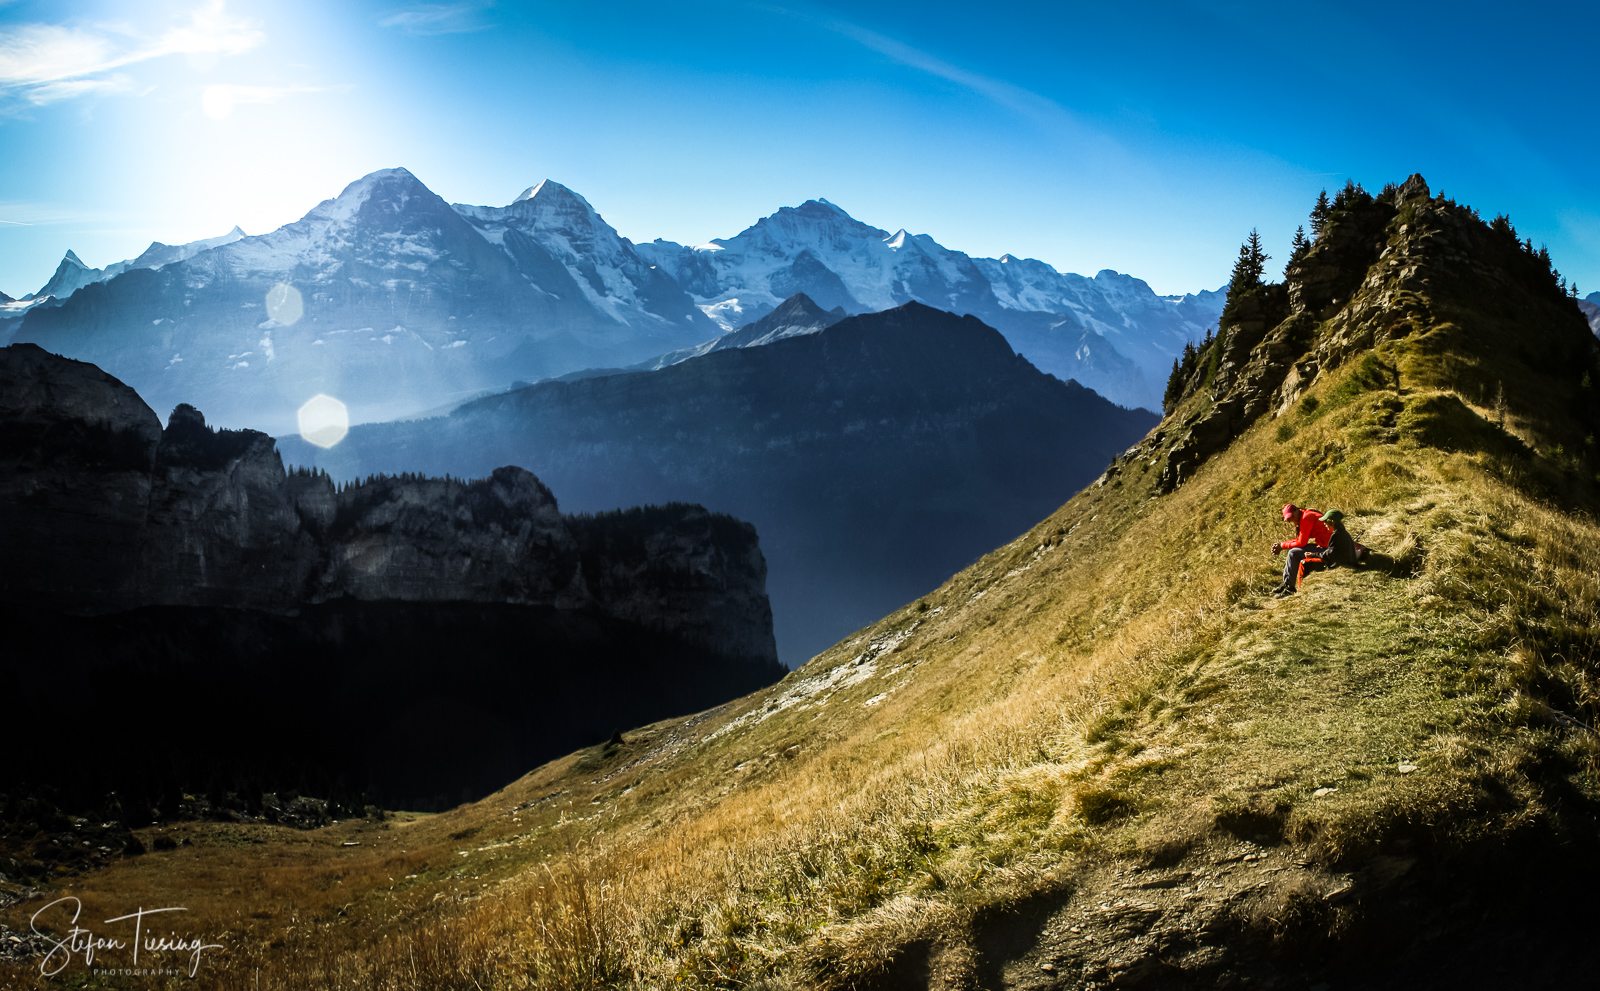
1342	549
1312	538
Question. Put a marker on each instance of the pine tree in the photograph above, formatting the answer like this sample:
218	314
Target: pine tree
1297	249
1250	266
1246	278
1319	215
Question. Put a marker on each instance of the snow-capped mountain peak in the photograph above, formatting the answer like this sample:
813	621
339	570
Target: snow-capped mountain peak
821	207
548	192
70	276
549	228
159	253
796	316
389	189
385	233
531	191
550	205
1123	283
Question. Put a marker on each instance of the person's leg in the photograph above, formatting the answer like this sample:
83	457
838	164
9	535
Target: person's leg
1291	566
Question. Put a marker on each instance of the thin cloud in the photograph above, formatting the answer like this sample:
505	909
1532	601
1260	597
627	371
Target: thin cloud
1040	110
426	19
1012	97
70	89
44	63
219	101
24	213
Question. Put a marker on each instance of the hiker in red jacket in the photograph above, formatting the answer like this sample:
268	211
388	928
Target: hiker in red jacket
1312	538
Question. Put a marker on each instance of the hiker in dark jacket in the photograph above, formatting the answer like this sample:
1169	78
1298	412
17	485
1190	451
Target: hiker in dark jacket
1312	538
1342	549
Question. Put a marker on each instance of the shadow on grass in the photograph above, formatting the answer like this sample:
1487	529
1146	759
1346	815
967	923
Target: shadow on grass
1405	566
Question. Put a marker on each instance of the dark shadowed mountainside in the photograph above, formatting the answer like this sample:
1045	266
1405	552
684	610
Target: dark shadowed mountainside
875	457
796	316
416	640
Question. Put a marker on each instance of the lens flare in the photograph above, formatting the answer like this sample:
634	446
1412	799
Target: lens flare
324	420
284	304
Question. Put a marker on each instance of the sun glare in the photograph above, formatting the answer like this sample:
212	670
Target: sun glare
284	304
324	420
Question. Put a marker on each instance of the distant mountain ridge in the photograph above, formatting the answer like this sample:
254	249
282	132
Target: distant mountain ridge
1111	333
875	457
1590	305
405	303
796	316
72	274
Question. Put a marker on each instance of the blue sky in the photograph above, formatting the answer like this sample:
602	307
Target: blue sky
1148	138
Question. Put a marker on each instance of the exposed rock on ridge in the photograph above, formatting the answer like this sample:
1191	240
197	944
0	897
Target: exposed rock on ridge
1375	274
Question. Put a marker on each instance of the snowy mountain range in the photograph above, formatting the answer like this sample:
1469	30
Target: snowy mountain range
384	297
1110	332
72	274
396	302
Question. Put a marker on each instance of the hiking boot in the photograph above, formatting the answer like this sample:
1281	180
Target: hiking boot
1283	591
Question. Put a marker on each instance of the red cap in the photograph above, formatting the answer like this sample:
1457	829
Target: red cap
1289	510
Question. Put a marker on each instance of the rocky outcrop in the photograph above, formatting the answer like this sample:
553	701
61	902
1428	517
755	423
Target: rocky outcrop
409	640
72	415
679	567
104	511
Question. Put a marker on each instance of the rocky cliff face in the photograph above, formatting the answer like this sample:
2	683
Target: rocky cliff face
106	511
262	629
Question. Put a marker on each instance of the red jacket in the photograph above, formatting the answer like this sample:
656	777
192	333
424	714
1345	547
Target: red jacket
1312	531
